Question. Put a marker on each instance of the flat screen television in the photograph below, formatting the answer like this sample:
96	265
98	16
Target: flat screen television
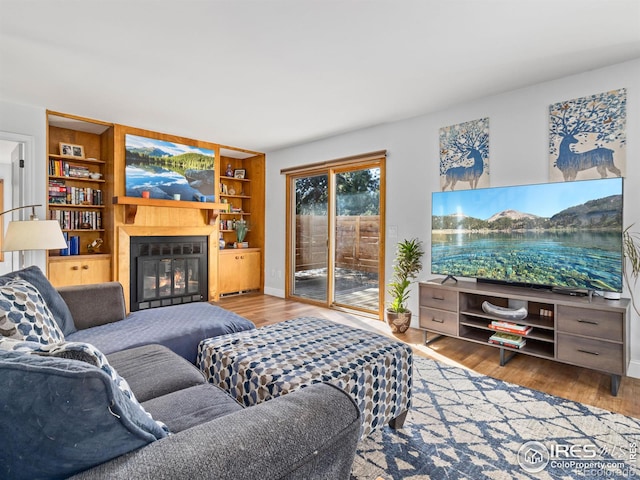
565	236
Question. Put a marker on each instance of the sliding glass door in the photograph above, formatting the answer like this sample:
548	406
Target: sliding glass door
357	238
336	236
310	231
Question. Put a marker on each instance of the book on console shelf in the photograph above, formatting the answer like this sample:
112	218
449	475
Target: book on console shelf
507	339
510	328
507	345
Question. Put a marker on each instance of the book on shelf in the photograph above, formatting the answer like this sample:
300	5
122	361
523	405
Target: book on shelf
507	345
517	329
512	325
508	339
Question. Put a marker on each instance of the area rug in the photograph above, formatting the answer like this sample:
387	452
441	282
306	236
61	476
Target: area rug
464	425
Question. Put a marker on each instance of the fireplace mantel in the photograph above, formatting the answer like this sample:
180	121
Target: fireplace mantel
131	207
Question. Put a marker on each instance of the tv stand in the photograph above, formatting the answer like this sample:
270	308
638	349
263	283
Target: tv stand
589	332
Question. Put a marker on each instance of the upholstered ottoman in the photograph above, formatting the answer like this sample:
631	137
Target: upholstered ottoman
257	365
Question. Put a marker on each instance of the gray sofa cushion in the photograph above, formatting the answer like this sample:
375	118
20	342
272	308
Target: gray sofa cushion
197	405
55	302
96	304
178	327
154	370
64	416
308	434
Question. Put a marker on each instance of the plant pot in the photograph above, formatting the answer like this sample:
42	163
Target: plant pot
399	322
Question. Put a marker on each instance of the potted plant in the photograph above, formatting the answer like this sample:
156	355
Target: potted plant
241	232
406	266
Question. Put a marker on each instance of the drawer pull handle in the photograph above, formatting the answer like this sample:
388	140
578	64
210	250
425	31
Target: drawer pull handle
587	351
75	267
437	298
437	320
588	321
85	267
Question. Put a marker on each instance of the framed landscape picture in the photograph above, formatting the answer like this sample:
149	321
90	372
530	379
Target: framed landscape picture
167	170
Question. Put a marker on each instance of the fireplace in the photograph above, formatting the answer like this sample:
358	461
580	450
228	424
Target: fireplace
168	271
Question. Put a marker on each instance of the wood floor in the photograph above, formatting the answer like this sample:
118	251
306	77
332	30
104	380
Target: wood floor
573	383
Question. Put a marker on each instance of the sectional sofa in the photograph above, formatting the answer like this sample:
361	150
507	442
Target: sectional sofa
144	411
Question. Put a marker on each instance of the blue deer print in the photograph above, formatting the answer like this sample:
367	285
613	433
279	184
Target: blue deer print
466	174
570	162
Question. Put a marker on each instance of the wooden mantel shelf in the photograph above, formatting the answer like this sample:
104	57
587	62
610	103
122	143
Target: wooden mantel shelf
131	206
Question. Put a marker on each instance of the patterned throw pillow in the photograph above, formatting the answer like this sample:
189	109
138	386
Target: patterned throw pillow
24	314
90	354
55	302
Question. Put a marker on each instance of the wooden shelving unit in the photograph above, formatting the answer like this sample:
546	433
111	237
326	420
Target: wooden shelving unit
77	200
240	270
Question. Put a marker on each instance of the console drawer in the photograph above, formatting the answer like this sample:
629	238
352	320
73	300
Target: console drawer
438	298
440	321
591	323
591	353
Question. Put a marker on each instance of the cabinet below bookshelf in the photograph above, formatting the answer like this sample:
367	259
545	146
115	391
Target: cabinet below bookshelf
582	331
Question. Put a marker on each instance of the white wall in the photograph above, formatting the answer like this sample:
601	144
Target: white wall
518	155
27	124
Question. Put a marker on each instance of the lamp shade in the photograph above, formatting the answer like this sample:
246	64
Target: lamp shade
33	235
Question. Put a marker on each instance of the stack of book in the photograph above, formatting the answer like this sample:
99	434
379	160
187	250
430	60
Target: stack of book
57	192
509	327
507	340
79	171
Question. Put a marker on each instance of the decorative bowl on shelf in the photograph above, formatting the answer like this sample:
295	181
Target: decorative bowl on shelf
95	175
505	312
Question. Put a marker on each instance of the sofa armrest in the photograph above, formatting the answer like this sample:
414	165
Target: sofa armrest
311	433
94	304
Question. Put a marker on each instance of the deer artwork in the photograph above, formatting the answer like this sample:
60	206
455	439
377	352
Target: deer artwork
570	162
466	174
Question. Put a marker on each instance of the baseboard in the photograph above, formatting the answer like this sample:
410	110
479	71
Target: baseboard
274	292
634	369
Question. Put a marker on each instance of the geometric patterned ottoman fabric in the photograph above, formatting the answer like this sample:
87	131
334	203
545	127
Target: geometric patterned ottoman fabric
258	365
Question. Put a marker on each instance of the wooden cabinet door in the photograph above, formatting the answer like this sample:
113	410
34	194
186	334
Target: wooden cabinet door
64	273
95	270
79	271
239	271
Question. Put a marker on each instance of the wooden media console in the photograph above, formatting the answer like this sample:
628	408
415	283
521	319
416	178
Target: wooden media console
589	332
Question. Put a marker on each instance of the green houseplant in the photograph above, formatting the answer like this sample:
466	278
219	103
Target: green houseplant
241	231
631	250
406	266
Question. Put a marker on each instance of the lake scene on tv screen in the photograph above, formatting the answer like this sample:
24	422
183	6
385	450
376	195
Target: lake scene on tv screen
566	235
168	170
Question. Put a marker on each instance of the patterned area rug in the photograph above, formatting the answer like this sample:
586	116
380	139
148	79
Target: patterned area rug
464	425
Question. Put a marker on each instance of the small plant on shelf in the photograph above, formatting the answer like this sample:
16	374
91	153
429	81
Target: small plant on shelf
241	232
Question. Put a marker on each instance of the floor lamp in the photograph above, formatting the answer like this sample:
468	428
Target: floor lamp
32	234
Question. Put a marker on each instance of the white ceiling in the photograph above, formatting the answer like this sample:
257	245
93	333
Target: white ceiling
272	73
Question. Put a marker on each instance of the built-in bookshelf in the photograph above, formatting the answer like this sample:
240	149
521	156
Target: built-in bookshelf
78	152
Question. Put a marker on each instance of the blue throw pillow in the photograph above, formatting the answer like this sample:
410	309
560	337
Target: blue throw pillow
24	314
55	302
17	345
86	352
63	416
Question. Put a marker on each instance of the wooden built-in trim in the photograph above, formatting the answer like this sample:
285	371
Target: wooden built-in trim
353	160
131	207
